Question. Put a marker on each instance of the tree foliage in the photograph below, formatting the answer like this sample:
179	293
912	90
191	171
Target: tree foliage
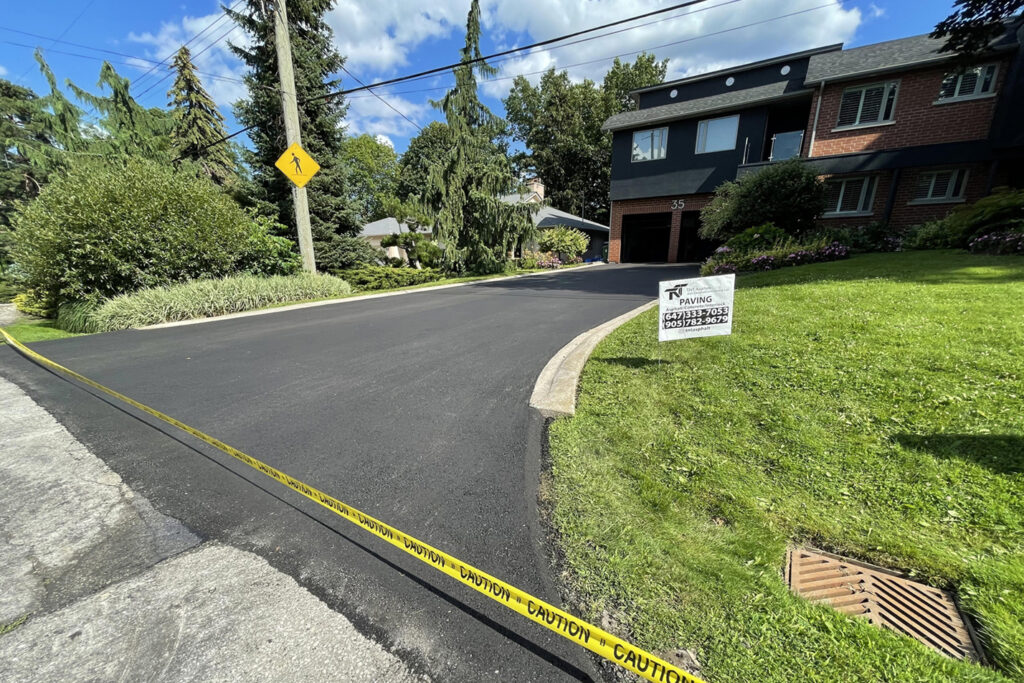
316	62
197	123
372	169
107	228
425	150
477	230
974	24
569	243
560	123
788	194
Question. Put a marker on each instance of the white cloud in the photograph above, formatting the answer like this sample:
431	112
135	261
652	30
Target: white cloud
3	71
367	114
875	12
220	69
693	40
384	140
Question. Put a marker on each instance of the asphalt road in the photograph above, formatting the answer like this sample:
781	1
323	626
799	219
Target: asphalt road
412	408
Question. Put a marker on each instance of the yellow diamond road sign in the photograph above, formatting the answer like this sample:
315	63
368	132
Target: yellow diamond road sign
297	165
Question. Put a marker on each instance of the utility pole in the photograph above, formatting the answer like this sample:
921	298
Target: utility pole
282	42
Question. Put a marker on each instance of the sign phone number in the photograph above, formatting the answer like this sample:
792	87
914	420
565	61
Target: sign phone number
698	307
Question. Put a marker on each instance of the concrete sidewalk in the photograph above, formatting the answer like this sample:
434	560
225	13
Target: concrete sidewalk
97	585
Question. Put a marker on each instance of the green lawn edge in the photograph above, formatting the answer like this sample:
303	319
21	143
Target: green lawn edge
869	406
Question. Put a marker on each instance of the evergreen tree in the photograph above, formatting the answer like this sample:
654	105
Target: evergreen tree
316	62
197	122
477	229
22	129
423	153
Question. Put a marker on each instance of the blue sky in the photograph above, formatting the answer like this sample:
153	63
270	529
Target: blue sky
386	38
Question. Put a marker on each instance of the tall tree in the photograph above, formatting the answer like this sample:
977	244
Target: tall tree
316	63
198	125
477	229
560	123
372	171
424	151
974	24
22	130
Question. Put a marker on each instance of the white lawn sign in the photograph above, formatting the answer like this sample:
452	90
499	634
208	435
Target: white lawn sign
698	307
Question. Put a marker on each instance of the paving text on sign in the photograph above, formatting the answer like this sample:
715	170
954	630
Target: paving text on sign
697	307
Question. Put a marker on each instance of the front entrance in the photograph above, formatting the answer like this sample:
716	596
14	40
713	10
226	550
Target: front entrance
645	237
692	248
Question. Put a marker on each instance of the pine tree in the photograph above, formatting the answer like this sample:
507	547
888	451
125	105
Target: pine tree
316	62
197	122
464	189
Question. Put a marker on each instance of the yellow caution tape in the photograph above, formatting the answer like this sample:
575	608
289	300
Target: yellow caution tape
564	624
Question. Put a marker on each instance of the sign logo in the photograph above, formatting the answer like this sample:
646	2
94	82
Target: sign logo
698	307
297	165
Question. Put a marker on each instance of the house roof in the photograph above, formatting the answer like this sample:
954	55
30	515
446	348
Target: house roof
732	99
550	217
739	68
892	55
386	226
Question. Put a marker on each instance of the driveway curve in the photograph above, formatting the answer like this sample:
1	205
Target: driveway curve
413	408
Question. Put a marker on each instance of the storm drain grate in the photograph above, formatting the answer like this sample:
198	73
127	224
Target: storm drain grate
884	598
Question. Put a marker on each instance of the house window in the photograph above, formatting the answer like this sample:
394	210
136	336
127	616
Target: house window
850	195
940	186
649	144
716	135
976	82
868	104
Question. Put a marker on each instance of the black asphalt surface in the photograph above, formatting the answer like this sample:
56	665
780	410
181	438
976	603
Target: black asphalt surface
412	408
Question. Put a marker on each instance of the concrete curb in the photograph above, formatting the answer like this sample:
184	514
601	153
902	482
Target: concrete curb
554	393
364	297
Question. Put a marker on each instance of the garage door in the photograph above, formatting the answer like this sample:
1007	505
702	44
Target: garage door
645	238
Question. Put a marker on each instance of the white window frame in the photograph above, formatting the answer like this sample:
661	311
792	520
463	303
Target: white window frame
702	134
888	86
662	150
867	196
960	176
978	93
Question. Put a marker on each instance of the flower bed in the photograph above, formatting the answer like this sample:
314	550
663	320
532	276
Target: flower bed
726	260
998	243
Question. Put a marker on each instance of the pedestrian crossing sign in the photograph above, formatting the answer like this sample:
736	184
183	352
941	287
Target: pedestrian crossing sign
297	165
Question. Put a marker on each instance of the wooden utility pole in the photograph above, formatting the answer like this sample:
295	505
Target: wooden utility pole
282	42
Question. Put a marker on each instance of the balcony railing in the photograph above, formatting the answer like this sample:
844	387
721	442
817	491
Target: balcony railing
786	145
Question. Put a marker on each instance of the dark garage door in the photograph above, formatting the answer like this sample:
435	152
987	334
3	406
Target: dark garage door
645	238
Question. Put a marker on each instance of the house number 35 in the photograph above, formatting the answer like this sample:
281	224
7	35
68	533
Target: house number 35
678	204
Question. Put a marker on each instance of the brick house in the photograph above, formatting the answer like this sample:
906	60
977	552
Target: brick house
899	135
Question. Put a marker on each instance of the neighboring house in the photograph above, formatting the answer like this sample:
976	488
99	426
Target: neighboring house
899	135
546	217
377	230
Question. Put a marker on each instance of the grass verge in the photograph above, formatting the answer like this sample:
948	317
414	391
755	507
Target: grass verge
870	407
28	331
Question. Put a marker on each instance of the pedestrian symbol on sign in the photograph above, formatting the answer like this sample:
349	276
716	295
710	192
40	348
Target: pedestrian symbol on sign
297	165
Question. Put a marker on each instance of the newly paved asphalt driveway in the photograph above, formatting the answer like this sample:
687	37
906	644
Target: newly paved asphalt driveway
412	408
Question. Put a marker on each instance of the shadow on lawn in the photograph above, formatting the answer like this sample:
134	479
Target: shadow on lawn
1001	453
920	267
633	362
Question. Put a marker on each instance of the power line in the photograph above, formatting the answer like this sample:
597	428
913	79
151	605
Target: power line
390	106
188	42
64	32
195	56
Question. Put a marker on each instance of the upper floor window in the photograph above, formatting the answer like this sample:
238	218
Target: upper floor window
850	195
650	144
868	104
716	135
941	186
981	80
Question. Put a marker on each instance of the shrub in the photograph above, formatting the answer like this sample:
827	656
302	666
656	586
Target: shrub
998	243
266	254
370	278
930	235
419	248
777	257
204	298
30	303
7	292
1001	211
539	259
787	194
345	251
757	238
104	229
568	243
874	236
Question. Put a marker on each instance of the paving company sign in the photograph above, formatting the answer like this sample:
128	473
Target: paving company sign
699	307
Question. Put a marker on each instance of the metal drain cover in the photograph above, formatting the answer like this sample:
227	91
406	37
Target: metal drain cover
884	598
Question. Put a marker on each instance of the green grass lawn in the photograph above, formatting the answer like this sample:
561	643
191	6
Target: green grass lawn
872	407
33	330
